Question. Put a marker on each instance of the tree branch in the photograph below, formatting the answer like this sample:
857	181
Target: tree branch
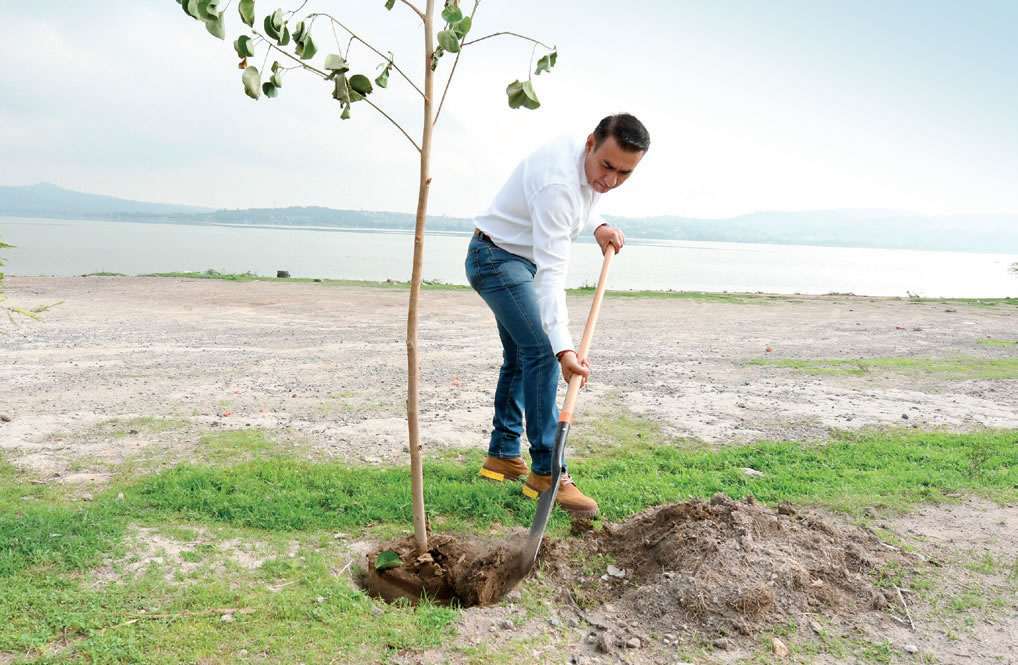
292	57
411	6
514	34
326	76
452	71
396	124
357	37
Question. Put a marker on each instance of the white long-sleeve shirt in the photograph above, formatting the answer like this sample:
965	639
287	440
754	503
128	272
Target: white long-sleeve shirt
545	205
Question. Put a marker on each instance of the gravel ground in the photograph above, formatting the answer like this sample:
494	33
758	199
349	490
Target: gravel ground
324	366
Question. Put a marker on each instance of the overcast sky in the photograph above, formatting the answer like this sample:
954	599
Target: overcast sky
752	106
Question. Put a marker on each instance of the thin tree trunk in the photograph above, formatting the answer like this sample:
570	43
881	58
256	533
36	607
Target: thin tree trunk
413	364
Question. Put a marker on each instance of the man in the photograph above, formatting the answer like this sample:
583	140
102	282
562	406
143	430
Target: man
517	262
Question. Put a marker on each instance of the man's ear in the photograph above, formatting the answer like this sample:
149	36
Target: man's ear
590	143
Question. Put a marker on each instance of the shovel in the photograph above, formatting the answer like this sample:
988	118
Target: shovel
547	499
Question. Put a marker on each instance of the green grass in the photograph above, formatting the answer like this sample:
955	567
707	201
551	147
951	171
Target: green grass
997	342
950	368
50	549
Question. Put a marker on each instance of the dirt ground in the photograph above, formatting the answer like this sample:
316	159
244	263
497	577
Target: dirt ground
323	367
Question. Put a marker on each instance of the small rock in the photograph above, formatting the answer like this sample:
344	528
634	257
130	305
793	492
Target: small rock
911	648
723	643
752	473
86	497
616	572
555	621
669	575
904	416
670	637
320	599
817	628
785	508
609	608
242	652
574	622
505	624
779	648
5	418
633	643
514	596
227	618
605	643
120	496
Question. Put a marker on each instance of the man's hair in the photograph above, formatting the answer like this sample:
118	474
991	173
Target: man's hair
629	132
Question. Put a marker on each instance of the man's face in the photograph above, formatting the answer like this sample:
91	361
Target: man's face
609	165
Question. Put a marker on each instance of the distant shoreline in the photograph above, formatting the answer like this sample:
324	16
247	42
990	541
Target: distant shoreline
732	297
449	226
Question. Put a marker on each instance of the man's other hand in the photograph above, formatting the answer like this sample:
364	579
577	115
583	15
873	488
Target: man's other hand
606	235
572	365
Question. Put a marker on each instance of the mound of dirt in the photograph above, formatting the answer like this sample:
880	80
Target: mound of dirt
728	568
469	573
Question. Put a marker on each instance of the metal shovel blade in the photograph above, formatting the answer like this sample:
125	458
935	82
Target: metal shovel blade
546	502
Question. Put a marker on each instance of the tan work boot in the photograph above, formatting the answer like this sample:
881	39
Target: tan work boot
569	496
498	469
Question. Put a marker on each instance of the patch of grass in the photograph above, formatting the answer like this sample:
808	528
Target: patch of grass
311	615
105	274
884	469
997	342
950	368
427	285
236	445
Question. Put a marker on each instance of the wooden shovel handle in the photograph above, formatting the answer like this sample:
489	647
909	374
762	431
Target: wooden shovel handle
588	334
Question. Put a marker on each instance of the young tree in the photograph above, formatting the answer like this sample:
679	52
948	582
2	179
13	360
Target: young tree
279	33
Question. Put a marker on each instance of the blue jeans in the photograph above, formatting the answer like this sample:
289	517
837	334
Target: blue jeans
528	379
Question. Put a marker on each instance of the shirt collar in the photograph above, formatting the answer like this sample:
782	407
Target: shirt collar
582	172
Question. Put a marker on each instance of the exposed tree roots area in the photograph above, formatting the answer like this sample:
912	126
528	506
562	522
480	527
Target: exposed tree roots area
722	569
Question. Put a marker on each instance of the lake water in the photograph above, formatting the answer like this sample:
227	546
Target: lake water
73	247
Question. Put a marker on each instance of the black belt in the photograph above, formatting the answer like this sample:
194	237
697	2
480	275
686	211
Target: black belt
482	235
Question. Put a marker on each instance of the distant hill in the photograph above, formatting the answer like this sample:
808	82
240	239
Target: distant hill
833	228
46	200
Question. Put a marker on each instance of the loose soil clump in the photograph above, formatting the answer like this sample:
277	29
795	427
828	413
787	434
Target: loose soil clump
468	573
726	568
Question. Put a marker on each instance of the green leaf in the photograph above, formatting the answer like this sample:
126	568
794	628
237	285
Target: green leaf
276	66
447	40
345	115
244	46
522	94
190	8
246	9
270	29
341	92
298	32
286	36
217	27
434	59
207	9
382	80
252	82
463	27
277	20
386	560
336	63
452	14
269	89
307	49
388	5
547	62
277	78
361	84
